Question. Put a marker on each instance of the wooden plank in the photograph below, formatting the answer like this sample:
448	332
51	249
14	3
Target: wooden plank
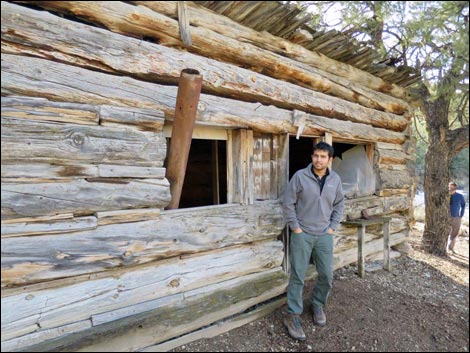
38	219
137	291
201	132
219	327
120	171
391	192
43	171
257	165
47	172
18	77
80	196
48	227
183	22
144	119
127	216
393	157
44	335
41	142
281	156
247	150
189	231
266	169
231	168
41	109
394	179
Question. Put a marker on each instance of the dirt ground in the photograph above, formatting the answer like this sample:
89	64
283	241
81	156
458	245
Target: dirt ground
421	306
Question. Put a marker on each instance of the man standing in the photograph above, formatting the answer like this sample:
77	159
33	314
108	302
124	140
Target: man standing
457	210
313	207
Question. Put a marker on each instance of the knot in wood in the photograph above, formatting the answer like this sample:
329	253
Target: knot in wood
127	256
77	138
174	283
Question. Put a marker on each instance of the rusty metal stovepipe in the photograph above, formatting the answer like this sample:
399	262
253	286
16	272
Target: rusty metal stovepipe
189	90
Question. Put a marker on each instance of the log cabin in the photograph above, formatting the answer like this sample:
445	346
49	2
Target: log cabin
92	259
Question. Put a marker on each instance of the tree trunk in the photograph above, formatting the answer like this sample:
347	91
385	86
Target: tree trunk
436	177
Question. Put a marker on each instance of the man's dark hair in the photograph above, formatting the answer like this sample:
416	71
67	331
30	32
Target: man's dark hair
323	146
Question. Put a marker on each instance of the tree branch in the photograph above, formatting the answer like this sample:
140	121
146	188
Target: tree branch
458	140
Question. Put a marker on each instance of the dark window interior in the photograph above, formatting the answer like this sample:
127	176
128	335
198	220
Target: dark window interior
207	168
340	148
300	152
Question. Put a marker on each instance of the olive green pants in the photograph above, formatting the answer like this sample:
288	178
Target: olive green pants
304	246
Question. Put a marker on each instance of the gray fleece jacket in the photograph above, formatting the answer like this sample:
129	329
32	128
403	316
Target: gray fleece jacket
306	208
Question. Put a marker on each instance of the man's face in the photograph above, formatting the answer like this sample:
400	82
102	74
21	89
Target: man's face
320	159
452	188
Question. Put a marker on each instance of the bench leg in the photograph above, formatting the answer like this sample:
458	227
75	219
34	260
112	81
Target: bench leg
361	233
387	262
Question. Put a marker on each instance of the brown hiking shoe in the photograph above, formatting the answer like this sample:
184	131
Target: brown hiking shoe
319	317
292	323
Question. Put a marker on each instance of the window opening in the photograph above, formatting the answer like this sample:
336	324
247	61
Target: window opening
205	181
351	161
353	165
300	152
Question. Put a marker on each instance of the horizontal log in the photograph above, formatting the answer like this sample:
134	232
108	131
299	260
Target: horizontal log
186	231
30	199
127	216
375	206
42	172
136	291
393	157
375	246
42	109
134	20
177	315
145	337
391	192
398	223
42	142
19	78
158	61
44	335
201	17
394	179
48	227
144	119
219	327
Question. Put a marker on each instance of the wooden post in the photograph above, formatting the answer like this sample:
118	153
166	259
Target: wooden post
215	173
361	233
187	99
183	23
387	262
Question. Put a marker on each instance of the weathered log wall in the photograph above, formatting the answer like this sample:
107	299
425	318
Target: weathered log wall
89	259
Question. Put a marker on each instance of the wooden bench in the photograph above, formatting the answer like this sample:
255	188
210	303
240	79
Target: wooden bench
361	232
